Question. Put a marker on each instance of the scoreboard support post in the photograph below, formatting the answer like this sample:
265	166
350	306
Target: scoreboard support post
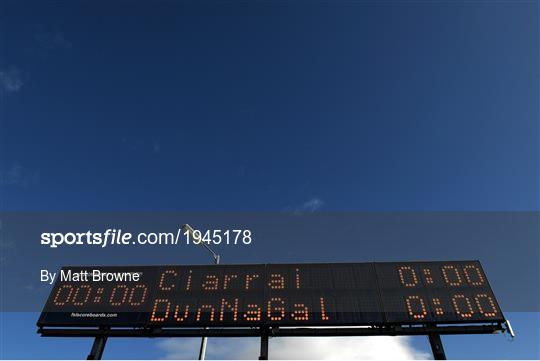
202	349
264	345
97	348
436	346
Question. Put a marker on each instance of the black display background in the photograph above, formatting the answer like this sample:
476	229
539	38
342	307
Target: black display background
351	294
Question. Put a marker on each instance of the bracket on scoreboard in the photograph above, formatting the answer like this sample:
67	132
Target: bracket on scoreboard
509	328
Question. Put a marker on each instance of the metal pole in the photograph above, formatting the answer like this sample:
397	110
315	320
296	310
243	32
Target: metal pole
264	345
436	346
188	229
204	341
97	348
202	350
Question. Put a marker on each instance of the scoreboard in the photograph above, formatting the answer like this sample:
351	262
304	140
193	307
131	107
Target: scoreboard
333	294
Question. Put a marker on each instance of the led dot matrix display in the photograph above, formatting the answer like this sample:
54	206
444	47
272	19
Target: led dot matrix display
278	294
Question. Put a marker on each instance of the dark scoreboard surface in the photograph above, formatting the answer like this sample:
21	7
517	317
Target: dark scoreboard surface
333	294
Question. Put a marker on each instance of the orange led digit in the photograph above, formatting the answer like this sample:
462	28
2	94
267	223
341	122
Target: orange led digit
85	297
469	313
59	293
477	274
492	312
124	293
411	273
410	310
142	290
454	271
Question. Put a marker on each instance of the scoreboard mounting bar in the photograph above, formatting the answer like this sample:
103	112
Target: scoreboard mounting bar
270	295
274	332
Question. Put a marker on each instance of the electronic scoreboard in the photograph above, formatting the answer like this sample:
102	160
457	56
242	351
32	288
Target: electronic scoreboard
333	294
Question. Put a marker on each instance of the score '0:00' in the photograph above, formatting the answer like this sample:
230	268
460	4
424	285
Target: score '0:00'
120	295
461	304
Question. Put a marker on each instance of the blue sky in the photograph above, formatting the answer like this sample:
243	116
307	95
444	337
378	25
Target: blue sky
268	106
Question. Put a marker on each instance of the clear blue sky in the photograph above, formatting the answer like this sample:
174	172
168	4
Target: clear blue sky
224	106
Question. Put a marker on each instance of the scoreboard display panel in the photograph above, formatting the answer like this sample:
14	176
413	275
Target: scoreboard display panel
333	294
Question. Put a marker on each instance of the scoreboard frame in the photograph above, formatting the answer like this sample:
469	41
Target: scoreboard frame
419	276
267	295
